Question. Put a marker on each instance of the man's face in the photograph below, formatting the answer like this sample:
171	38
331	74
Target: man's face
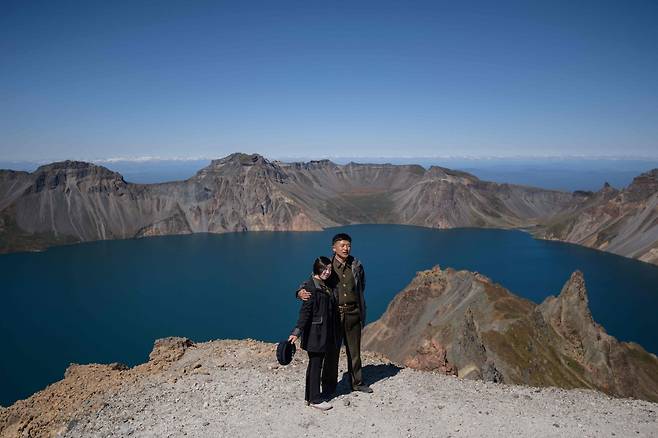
342	248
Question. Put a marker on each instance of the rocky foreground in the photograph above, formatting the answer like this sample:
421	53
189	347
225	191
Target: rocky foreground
236	388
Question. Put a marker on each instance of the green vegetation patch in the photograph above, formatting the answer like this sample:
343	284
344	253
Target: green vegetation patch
13	238
531	358
510	306
373	208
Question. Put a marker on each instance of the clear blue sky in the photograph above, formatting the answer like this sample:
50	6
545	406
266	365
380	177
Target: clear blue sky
190	78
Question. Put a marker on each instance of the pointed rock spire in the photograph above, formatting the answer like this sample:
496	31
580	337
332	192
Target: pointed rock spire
569	312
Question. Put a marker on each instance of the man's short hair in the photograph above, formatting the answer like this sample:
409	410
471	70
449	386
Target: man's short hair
341	236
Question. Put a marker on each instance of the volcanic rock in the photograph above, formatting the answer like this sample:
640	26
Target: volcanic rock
623	222
447	320
74	201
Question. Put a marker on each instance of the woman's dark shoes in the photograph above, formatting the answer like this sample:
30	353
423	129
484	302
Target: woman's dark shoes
363	388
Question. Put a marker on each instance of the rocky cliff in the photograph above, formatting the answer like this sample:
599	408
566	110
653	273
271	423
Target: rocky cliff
623	222
236	388
75	201
461	323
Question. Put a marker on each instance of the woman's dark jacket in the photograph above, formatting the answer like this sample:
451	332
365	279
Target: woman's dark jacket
359	285
318	319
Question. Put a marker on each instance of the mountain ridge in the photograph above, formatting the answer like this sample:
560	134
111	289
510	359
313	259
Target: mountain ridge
621	221
244	192
462	323
72	201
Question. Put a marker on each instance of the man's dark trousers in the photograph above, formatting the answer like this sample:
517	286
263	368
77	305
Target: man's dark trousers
350	326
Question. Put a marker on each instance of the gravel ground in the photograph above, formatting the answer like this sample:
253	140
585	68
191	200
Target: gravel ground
236	388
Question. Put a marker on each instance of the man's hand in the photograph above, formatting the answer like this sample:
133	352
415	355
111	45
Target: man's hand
292	338
303	295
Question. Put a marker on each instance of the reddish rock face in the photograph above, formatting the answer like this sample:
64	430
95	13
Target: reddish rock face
461	322
431	356
169	349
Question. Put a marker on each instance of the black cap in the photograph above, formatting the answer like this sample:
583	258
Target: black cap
341	236
285	351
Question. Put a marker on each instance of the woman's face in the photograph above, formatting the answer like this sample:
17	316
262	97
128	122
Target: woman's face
326	273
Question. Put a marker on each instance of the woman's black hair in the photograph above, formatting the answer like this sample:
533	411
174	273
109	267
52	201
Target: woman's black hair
319	264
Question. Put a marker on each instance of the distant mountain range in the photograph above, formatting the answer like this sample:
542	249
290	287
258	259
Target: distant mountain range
72	201
462	323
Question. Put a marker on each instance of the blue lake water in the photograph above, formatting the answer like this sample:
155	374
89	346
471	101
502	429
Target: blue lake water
108	301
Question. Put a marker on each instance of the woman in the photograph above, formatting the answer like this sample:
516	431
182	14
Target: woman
318	326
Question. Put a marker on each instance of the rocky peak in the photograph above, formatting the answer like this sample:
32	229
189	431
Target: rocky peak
239	163
311	165
569	312
7	174
437	172
606	192
447	320
236	159
62	173
573	294
443	173
75	168
643	185
65	165
575	286
321	163
241	159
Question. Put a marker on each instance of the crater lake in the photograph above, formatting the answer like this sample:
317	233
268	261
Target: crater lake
107	301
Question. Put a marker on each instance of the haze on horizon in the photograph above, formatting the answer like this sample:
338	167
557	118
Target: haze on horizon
94	80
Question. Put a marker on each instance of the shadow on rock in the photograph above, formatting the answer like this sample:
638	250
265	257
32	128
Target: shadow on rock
371	374
375	373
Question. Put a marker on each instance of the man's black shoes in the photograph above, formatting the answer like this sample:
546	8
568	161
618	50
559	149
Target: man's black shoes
363	388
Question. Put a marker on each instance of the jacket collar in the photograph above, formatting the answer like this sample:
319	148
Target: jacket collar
349	261
317	284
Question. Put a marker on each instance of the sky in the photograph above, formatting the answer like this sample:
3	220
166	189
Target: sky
92	80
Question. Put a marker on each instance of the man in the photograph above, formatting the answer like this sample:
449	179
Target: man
349	282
